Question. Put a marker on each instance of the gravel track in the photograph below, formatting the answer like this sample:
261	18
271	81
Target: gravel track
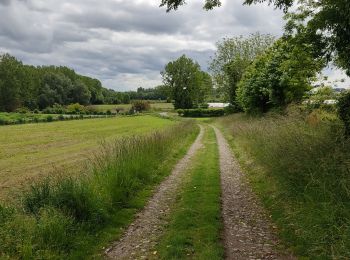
142	235
248	232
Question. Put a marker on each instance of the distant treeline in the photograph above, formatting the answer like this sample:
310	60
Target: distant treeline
43	86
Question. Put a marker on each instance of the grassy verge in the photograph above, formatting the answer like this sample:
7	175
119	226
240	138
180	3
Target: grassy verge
72	218
195	223
299	166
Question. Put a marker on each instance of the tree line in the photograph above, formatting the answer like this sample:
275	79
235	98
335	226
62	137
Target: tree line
39	87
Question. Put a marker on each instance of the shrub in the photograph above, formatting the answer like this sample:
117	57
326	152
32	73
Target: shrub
36	111
140	105
91	110
199	112
49	118
344	111
55	109
61	117
75	108
108	112
23	110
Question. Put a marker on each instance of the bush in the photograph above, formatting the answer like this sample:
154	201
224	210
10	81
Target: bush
344	111
23	110
61	117
199	112
108	112
140	105
75	109
49	118
55	109
91	110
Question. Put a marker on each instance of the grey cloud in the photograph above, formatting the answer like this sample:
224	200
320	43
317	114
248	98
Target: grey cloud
123	42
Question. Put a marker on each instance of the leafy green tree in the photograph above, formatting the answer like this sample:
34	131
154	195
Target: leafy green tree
56	88
231	59
10	83
80	93
186	81
281	76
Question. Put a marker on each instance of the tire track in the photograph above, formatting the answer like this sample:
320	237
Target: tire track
248	232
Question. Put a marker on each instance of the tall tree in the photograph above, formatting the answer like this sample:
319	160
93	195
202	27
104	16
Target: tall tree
10	83
232	57
280	76
186	81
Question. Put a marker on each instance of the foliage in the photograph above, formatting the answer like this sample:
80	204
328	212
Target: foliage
60	214
325	24
281	76
188	84
299	166
140	105
344	111
201	112
10	76
232	58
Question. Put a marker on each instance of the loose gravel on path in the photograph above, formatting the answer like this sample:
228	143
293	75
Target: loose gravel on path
142	235
248	233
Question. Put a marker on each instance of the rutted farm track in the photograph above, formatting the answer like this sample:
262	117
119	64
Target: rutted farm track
247	231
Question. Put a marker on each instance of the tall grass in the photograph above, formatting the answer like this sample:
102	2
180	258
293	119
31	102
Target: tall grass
300	166
58	214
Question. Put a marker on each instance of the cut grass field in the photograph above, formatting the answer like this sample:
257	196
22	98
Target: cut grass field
30	151
299	167
157	106
195	223
74	217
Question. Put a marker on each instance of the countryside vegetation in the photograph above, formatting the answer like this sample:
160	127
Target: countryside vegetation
162	173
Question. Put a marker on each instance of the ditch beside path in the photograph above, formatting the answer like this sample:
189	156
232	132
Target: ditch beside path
248	232
144	233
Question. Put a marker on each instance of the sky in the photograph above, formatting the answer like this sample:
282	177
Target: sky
126	43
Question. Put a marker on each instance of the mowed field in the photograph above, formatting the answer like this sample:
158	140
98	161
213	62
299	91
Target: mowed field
159	106
31	151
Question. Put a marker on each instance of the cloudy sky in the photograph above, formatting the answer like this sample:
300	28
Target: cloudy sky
125	43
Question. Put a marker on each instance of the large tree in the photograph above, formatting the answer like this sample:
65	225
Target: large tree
232	57
187	82
10	83
278	77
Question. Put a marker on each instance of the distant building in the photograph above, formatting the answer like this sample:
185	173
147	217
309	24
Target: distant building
218	105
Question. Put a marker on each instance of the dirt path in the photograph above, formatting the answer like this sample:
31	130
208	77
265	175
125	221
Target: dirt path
143	234
248	233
